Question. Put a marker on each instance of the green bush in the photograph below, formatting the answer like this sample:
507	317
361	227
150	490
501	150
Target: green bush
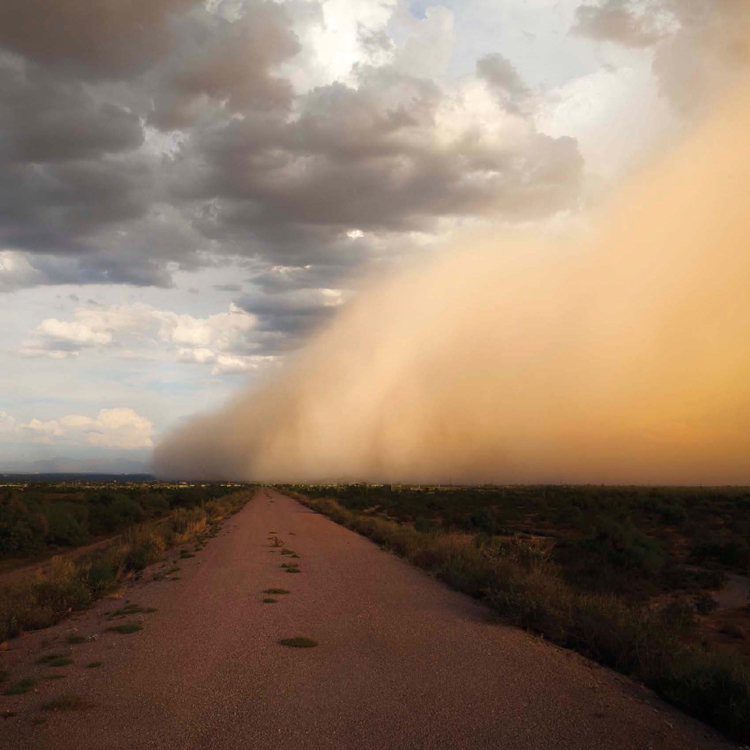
113	511
67	523
23	531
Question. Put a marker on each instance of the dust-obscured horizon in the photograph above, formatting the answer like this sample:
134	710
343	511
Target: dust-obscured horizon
620	357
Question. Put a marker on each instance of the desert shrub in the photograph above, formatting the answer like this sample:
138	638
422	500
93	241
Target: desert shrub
186	524
425	526
622	546
154	503
22	530
67	523
711	687
482	520
733	552
144	546
705	603
113	511
101	575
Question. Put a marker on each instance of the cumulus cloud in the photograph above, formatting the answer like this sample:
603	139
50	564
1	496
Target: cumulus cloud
394	154
227	62
8	423
161	135
120	428
94	40
504	81
701	47
618	20
231	342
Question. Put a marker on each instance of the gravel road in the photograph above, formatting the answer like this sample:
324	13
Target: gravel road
402	661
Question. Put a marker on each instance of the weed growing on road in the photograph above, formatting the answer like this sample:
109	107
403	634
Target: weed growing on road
128	609
293	570
269	600
63	661
47	658
128	627
163	574
64	703
289	565
76	639
20	687
276	591
298	642
94	664
277	542
289	552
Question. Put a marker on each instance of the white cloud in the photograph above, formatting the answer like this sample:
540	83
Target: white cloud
42	432
72	333
16	271
223	364
119	428
192	339
8	423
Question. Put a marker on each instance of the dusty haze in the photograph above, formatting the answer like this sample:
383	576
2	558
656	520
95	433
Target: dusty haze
623	357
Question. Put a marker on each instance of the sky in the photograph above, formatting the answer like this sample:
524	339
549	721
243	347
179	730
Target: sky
189	191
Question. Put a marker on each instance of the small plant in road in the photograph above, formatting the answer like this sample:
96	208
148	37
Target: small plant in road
128	627
298	642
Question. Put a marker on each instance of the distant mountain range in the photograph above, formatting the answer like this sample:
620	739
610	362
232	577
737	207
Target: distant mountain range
62	465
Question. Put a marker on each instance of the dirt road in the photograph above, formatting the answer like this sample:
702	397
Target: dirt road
402	661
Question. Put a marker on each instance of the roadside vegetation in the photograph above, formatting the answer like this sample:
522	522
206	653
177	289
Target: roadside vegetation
39	518
70	585
595	587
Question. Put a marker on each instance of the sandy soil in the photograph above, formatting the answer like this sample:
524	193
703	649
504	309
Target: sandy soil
402	661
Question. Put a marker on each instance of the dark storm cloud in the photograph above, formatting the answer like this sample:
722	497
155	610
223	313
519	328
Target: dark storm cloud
227	62
45	119
98	268
56	207
370	158
90	38
137	137
282	279
284	319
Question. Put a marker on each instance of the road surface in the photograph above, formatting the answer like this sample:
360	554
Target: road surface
402	661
